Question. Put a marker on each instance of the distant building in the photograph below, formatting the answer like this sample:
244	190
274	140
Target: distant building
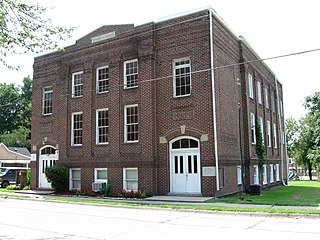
14	157
167	107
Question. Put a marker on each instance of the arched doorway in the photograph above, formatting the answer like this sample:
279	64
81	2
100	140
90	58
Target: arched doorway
47	158
185	166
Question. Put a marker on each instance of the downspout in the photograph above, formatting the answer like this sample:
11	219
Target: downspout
281	130
214	114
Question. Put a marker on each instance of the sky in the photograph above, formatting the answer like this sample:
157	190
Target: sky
272	27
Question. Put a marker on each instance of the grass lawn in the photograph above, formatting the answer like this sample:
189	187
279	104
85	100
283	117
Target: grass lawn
298	193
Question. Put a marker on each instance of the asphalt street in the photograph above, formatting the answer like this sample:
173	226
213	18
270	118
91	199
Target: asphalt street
29	219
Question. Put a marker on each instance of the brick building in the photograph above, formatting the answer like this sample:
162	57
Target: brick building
167	107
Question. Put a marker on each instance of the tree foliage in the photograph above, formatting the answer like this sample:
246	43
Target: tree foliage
10	107
303	136
15	114
259	146
24	29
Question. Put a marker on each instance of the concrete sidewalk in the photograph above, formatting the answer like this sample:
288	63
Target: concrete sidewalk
174	200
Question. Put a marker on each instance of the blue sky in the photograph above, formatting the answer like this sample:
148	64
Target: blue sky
272	28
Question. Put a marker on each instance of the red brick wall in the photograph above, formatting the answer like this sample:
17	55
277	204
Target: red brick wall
155	45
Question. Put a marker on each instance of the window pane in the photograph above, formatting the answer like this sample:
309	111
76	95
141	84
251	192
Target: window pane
132	174
181	164
102	174
176	167
189	164
195	164
75	174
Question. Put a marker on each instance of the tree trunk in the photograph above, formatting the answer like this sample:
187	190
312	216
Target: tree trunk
310	171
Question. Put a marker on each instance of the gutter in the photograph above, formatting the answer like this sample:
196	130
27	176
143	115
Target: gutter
214	114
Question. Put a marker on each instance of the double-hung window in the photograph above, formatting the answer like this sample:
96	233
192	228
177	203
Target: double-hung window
259	92
182	77
77	84
76	128
102	76
102	126
275	142
101	175
131	73
250	82
266	95
47	100
264	174
75	178
239	175
269	133
255	174
131	123
271	173
253	128
262	129
130	179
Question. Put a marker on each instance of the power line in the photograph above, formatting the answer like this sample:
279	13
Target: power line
195	72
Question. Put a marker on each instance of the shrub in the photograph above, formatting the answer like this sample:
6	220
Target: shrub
28	175
57	175
10	187
106	191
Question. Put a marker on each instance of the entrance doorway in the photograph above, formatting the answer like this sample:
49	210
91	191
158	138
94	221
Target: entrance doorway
47	158
185	166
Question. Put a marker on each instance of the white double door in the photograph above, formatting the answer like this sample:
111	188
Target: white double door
185	172
44	162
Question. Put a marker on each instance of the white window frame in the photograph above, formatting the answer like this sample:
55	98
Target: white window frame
264	174
278	172
126	124
98	127
102	80
262	129
71	179
77	85
251	87
125	180
253	128
174	67
275	142
269	134
73	129
239	175
256	174
135	74
271	173
45	93
259	88
96	175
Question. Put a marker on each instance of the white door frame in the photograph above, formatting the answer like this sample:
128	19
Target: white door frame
184	152
43	183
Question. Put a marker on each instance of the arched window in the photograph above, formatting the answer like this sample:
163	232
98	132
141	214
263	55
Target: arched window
48	151
185	143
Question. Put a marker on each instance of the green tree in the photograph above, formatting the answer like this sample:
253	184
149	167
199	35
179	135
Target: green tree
9	107
25	29
303	136
17	138
26	105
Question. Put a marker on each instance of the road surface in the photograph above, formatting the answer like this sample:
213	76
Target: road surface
29	219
